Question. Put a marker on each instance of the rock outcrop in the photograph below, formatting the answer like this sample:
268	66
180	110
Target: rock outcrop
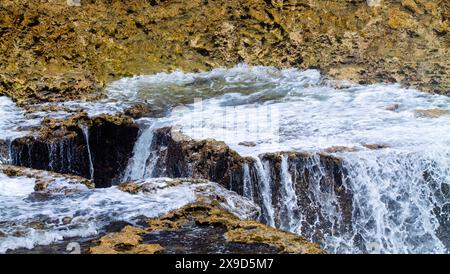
317	179
52	51
61	145
44	180
202	228
181	156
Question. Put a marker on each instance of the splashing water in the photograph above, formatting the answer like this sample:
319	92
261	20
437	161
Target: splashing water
248	184
143	162
264	179
31	218
289	205
399	191
399	201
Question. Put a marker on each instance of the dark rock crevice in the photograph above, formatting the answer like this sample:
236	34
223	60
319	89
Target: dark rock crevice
111	141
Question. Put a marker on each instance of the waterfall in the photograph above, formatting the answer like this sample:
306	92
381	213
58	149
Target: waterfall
401	200
85	130
6	154
264	183
51	157
142	164
289	206
398	202
248	184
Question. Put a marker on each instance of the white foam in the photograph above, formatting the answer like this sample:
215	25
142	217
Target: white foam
283	110
13	122
92	209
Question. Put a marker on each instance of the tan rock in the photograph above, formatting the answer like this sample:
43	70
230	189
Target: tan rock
126	241
432	113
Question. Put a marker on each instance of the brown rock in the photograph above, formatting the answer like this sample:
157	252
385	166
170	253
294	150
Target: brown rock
126	241
432	113
50	51
129	240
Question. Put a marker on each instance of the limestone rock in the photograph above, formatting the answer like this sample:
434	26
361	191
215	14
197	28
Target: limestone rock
247	235
51	51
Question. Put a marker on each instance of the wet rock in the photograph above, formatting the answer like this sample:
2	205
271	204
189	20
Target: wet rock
317	181
205	191
60	145
144	110
432	113
36	225
375	146
393	107
336	149
4	152
45	180
181	156
40	185
66	220
130	187
126	241
247	144
203	228
314	177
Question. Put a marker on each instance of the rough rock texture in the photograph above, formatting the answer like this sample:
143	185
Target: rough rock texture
51	51
181	156
229	234
127	241
316	179
61	146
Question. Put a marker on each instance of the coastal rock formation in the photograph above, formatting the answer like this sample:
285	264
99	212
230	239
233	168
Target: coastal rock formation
316	179
52	51
181	156
97	148
210	229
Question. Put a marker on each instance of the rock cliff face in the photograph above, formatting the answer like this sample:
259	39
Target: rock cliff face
52	51
96	148
317	181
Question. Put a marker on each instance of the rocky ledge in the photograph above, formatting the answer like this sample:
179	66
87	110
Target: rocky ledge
93	147
52	51
202	228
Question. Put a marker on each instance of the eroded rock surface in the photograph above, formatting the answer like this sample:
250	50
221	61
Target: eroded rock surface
227	232
51	51
181	156
44	180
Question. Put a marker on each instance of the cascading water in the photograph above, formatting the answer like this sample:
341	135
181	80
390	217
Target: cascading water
353	206
85	130
289	204
264	184
400	200
383	188
143	162
248	184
